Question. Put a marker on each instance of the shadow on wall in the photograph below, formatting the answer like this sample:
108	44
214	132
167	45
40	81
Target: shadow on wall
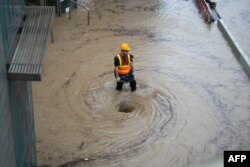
34	2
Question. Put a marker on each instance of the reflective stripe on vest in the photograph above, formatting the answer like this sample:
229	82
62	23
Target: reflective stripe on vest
123	68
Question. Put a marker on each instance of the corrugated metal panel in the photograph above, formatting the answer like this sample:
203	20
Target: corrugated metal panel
26	63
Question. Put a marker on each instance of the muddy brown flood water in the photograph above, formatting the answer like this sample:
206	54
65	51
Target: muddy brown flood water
191	103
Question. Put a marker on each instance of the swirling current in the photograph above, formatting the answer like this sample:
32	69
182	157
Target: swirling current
192	97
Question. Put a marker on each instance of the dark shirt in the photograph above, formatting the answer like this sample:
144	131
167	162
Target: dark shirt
116	60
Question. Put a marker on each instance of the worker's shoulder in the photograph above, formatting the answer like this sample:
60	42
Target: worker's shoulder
116	59
116	56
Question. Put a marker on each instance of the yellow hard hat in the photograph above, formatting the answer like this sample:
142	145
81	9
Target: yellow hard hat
124	46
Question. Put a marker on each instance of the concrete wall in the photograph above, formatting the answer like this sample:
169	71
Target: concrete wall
17	135
7	151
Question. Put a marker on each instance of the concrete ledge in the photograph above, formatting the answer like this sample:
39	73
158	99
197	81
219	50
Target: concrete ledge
235	46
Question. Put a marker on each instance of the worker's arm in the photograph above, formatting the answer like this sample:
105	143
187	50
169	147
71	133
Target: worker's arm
132	67
131	63
116	71
116	64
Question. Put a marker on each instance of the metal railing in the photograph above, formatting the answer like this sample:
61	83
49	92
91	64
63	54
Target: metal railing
84	7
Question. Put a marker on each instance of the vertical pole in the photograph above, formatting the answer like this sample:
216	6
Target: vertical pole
52	35
58	8
88	17
70	9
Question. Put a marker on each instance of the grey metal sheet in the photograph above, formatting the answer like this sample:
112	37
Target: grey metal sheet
26	63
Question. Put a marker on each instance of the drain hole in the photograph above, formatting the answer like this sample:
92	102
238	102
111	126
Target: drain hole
126	107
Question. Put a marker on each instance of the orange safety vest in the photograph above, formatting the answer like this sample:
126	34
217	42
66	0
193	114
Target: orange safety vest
124	67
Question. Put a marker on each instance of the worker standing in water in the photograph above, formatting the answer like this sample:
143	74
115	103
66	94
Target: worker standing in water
124	69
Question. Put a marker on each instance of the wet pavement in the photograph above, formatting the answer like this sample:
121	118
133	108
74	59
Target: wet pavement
236	16
191	103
